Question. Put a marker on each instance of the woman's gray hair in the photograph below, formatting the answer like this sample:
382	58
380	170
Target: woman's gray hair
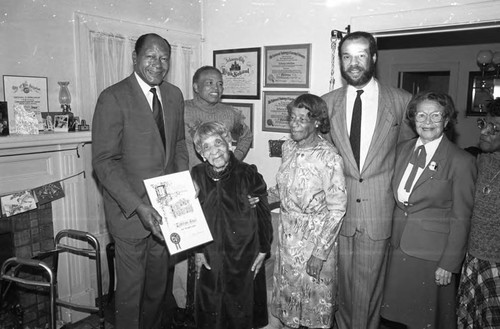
207	129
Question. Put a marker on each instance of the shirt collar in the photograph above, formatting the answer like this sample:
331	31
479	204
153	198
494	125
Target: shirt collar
369	88
144	86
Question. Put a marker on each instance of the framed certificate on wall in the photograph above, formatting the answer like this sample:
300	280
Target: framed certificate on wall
240	70
287	66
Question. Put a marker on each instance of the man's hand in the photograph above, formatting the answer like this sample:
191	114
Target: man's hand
151	219
199	261
257	264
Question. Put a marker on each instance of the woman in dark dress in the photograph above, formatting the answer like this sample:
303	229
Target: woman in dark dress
231	286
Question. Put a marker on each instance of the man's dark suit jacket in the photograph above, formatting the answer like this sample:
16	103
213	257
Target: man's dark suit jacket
127	148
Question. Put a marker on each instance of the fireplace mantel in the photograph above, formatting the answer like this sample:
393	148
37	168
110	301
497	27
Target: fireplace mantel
18	144
31	161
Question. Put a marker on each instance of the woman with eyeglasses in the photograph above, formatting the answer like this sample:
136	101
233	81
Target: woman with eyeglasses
311	188
479	291
433	186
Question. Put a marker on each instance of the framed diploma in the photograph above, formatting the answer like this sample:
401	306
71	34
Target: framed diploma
246	111
287	66
240	70
183	222
30	92
275	114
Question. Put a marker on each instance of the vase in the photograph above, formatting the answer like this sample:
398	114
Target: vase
64	95
65	100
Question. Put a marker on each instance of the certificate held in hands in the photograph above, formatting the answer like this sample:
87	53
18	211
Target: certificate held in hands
184	225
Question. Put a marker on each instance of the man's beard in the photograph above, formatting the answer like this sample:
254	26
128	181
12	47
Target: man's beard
363	79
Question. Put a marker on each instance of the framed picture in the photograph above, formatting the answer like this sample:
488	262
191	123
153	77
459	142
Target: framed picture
275	114
61	123
4	119
240	70
246	110
28	91
287	66
480	92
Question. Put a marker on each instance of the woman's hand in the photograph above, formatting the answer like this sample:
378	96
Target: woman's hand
314	266
257	264
443	277
253	201
199	261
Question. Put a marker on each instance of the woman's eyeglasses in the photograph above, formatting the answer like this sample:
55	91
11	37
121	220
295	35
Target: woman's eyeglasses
301	120
434	116
491	128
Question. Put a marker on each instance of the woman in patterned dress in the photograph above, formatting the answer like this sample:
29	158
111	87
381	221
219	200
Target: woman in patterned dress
311	189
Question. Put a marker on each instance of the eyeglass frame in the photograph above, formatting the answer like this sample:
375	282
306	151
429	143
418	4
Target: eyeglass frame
300	120
429	116
491	128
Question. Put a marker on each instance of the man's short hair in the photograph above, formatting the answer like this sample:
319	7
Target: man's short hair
139	44
361	35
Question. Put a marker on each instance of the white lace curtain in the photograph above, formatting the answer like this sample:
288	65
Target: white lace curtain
111	61
105	57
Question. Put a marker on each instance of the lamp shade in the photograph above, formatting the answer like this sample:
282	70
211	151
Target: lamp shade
484	57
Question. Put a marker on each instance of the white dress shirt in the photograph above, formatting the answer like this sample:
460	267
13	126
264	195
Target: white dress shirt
145	89
369	110
430	149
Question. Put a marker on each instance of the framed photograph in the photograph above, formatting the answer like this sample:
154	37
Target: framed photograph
240	70
246	110
30	92
480	92
275	114
61	123
287	66
4	119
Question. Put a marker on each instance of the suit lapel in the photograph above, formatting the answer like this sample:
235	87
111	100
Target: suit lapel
385	120
439	158
145	109
167	117
402	160
339	122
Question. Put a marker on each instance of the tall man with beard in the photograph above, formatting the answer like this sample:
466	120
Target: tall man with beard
367	120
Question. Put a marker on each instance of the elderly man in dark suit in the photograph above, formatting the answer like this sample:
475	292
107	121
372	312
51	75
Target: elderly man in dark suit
367	121
138	133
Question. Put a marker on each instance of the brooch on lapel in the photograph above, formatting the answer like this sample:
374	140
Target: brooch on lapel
433	166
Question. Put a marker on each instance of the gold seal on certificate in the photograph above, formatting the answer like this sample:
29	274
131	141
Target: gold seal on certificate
173	196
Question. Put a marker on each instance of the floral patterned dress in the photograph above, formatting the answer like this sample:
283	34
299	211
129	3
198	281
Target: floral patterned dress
311	188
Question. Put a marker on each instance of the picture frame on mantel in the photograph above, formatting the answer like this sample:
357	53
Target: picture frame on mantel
240	70
28	91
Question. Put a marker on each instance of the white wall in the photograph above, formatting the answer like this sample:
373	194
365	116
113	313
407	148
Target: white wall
240	24
38	35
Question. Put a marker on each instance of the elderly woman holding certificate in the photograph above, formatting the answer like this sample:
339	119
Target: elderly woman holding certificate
231	285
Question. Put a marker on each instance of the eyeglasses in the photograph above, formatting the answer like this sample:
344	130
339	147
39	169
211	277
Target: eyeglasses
435	117
301	120
491	128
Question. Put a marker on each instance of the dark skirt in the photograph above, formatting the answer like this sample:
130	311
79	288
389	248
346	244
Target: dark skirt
411	296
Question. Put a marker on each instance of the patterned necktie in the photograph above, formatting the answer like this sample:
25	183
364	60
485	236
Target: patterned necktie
418	161
158	114
355	135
